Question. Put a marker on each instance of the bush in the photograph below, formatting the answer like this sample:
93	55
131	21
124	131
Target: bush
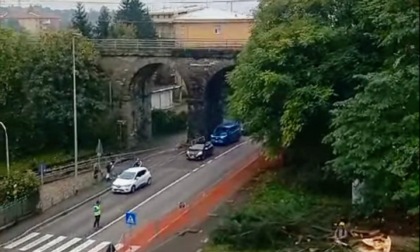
18	185
276	217
167	122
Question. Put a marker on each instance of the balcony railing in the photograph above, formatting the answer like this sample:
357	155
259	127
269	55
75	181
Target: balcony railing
164	45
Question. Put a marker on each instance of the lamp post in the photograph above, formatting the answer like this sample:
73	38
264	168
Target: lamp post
73	47
7	147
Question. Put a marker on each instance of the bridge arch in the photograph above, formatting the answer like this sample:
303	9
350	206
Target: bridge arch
215	97
140	88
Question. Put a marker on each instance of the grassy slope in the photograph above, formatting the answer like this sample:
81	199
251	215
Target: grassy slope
295	209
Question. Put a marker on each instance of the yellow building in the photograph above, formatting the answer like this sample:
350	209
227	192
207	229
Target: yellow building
163	20
212	27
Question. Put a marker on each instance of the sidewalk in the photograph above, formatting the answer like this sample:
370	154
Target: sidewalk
84	195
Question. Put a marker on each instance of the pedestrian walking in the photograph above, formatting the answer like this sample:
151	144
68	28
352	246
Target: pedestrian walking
97	214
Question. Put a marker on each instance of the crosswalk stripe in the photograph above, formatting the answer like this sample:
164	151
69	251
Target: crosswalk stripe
36	242
50	244
119	246
83	246
20	241
67	245
99	247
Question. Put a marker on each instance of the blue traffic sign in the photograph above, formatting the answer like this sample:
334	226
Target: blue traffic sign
131	218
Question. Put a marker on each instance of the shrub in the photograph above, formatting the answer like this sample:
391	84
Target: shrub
18	185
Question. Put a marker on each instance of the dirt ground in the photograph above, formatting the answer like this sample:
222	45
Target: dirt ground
404	235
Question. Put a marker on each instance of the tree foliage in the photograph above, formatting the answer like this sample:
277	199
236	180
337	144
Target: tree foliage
346	71
36	92
80	21
134	12
376	133
102	28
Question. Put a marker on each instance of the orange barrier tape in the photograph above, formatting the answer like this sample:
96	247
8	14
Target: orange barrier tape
199	208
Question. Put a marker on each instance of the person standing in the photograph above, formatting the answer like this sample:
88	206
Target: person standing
97	214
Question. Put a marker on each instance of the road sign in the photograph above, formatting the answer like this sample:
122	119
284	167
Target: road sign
99	149
131	218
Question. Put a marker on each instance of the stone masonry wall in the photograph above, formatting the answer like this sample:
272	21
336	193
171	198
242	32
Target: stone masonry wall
57	191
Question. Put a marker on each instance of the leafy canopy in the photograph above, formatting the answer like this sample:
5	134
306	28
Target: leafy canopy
342	71
134	12
80	21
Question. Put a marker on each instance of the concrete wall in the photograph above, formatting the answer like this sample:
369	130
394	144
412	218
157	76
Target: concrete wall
55	192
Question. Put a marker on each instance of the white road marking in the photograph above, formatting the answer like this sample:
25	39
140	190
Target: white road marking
20	241
67	245
83	246
158	193
119	246
36	242
99	247
139	205
208	162
50	244
196	169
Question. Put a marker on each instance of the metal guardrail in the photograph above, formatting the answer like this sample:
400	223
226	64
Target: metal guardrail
60	172
164	45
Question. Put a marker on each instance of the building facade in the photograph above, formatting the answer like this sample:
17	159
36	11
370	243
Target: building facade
164	20
31	20
212	27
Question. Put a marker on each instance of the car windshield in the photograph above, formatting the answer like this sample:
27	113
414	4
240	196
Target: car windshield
197	147
127	175
220	131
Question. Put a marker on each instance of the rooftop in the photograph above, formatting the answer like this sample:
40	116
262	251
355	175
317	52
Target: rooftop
178	10
213	14
27	13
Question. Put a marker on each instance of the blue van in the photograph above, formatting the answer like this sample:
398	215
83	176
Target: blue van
226	133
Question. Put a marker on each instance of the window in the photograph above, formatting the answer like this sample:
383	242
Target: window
141	173
217	29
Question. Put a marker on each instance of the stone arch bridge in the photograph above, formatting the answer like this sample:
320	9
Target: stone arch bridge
132	66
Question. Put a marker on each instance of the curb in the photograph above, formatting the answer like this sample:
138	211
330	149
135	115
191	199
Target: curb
81	203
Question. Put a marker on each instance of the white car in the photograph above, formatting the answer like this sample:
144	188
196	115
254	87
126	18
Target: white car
132	179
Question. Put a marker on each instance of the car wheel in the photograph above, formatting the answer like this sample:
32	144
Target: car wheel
149	181
133	189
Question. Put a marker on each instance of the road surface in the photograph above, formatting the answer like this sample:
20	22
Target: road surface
174	179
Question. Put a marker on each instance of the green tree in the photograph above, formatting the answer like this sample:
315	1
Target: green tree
297	62
80	21
376	133
134	12
123	31
102	28
14	60
50	81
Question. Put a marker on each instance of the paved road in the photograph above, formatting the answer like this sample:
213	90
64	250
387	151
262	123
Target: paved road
75	229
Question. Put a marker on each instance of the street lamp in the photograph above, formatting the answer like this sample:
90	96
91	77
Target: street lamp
7	148
73	47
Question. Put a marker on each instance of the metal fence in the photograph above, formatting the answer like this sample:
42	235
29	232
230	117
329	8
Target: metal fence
60	172
164	46
13	211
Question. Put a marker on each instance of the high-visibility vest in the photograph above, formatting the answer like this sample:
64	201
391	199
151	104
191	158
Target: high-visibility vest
97	210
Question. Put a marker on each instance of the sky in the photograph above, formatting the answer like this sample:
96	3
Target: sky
240	6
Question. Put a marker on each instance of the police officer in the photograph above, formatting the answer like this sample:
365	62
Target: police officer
97	214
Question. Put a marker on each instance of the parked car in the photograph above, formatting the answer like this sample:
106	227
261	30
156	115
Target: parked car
132	179
226	133
200	151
